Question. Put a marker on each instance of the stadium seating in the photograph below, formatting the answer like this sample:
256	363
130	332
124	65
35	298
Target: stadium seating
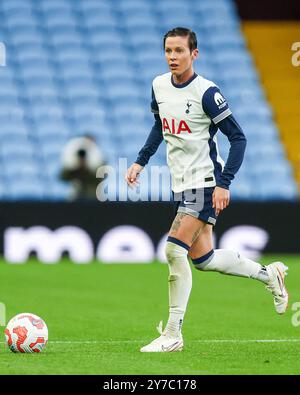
86	66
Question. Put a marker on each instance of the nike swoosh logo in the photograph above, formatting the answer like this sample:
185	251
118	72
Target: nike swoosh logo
281	284
171	347
187	202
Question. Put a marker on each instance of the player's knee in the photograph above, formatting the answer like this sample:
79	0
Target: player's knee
174	252
202	262
170	252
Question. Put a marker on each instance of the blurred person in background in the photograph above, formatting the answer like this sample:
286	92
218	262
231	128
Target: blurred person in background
81	158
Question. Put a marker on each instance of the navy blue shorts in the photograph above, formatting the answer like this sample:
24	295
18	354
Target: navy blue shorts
196	202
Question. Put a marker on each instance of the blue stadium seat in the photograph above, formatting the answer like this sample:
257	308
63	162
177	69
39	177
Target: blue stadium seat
244	95
122	90
6	73
51	129
13	153
273	190
132	6
176	7
82	91
57	190
132	130
24	18
60	40
53	148
90	6
8	91
10	113
127	73
231	57
214	10
85	78
98	38
101	20
13	131
141	22
73	70
62	22
16	169
258	130
135	112
13	6
168	22
106	30
53	5
146	37
20	40
52	167
9	95
109	60
25	189
47	113
34	63
88	109
26	47
58	12
210	74
78	55
25	28
278	170
46	94
241	190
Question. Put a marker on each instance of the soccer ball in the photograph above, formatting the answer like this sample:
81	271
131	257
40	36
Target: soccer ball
26	333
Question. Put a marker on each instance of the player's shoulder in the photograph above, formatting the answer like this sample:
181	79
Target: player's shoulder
204	84
161	79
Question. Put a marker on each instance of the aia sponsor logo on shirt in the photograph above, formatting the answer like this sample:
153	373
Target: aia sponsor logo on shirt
175	127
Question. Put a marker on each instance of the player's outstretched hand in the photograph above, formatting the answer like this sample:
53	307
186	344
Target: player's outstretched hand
221	198
132	174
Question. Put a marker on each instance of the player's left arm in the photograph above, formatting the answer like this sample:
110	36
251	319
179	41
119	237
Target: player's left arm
216	107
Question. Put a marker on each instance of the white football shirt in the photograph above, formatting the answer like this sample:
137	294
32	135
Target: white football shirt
189	114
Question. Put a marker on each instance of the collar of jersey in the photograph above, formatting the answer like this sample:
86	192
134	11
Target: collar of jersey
185	83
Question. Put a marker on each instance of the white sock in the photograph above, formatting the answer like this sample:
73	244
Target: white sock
231	262
180	285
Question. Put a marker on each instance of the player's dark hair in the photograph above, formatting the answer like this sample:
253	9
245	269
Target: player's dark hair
183	32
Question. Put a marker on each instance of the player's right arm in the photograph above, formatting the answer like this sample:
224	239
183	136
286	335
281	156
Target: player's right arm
150	147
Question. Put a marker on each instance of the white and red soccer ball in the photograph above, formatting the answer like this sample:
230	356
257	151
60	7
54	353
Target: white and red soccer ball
26	333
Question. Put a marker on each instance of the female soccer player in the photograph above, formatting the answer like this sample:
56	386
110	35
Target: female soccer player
188	111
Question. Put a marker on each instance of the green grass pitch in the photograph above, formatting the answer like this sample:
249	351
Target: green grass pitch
99	316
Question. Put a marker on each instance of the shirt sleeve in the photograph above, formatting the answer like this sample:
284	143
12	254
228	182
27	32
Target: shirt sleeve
238	142
215	105
154	105
152	143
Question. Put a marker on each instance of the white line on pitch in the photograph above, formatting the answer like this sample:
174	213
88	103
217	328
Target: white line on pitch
191	341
